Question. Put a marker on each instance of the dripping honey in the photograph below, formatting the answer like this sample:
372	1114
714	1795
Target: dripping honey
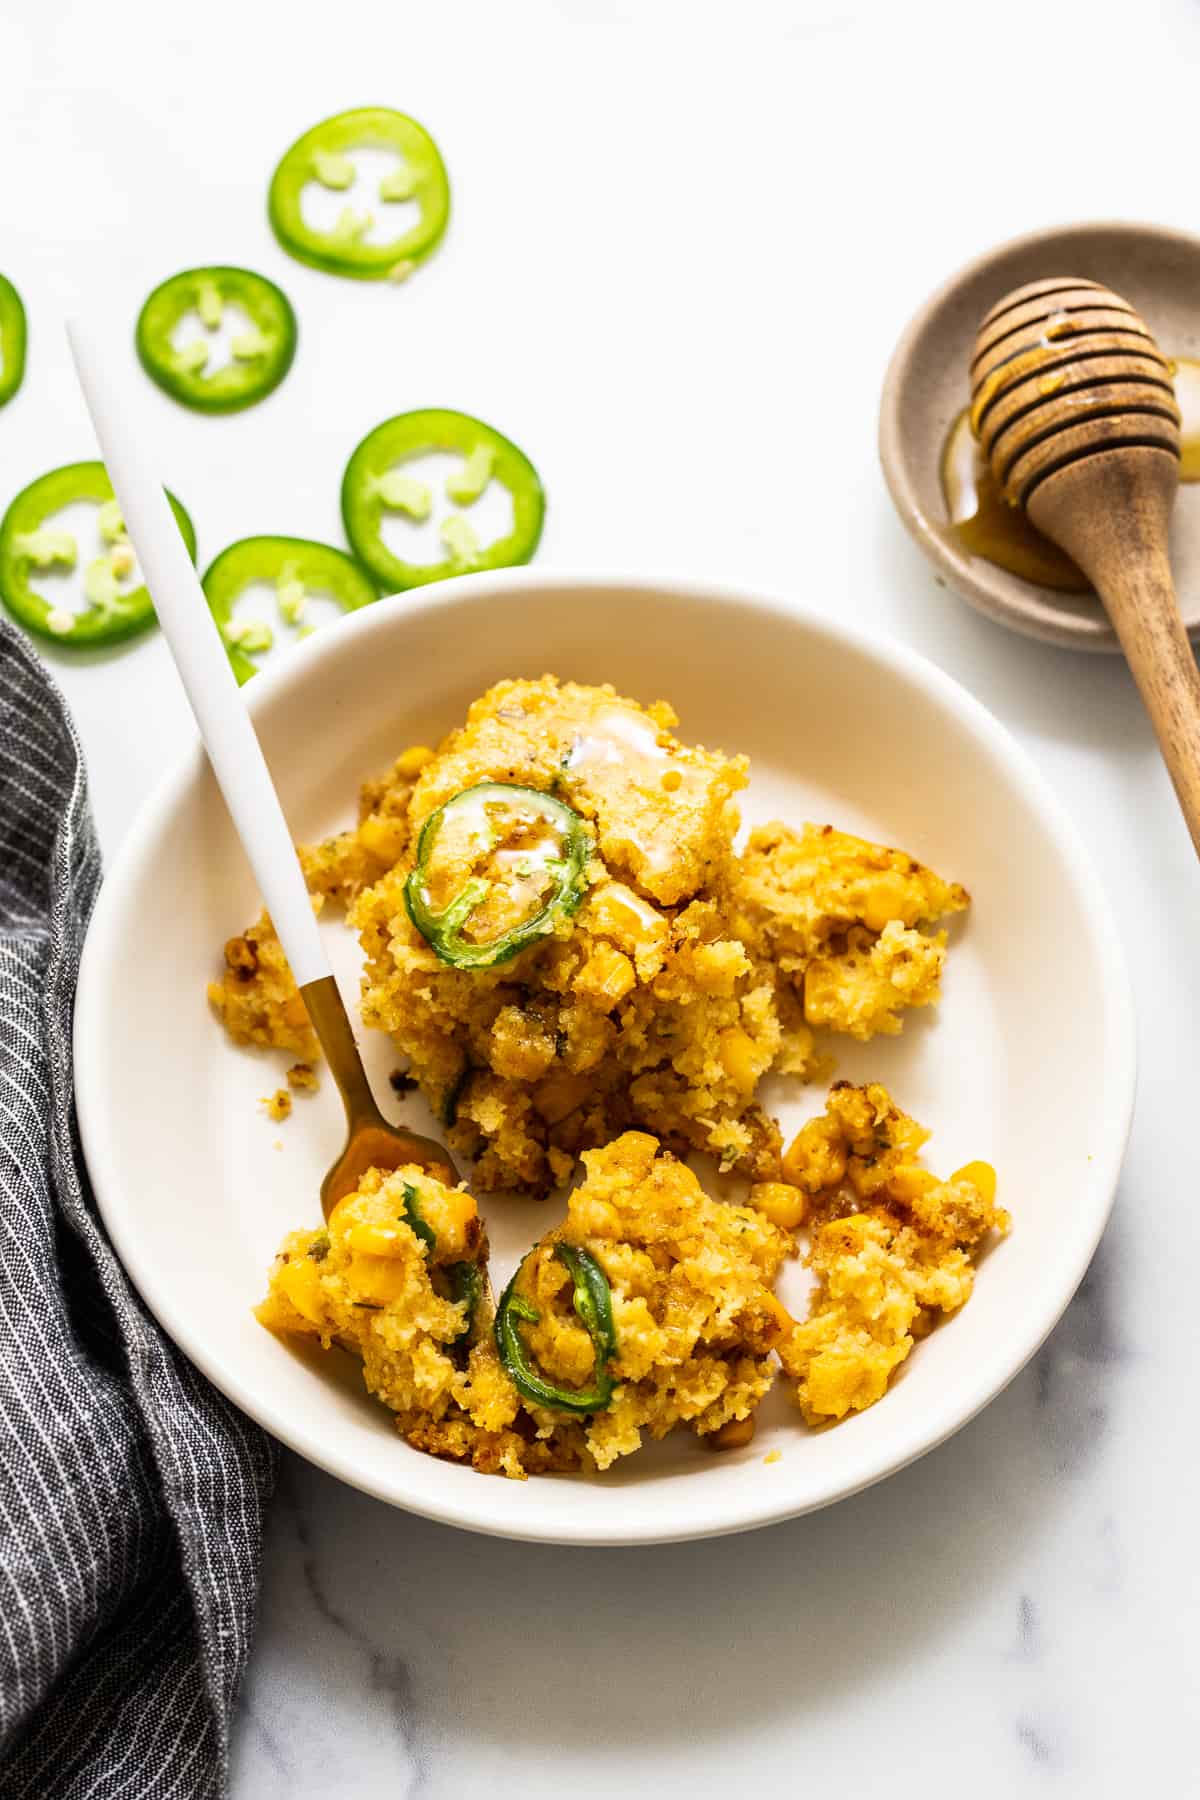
986	525
1185	373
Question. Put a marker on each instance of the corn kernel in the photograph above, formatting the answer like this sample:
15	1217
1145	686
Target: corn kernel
300	1283
606	976
782	1204
982	1177
816	1159
909	1182
379	1279
888	898
739	1058
382	837
372	1239
413	760
451	1216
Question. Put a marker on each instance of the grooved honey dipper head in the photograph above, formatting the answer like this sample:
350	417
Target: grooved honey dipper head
1066	373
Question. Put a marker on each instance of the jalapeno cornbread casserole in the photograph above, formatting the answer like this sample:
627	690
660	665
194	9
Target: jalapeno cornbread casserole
576	958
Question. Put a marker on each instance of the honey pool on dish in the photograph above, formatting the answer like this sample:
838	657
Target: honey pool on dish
587	976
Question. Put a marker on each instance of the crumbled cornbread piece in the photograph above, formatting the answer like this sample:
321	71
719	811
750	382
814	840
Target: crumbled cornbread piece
337	867
841	917
643	1008
691	1280
684	974
375	1285
303	1076
606	756
891	1247
256	998
278	1105
863	988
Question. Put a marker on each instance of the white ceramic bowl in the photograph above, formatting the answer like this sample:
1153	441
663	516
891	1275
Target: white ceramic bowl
1029	1061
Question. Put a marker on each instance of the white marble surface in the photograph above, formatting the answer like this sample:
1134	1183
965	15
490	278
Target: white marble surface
686	236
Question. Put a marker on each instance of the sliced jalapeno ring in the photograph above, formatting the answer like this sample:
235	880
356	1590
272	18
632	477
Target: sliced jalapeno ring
415	1219
593	1307
324	155
27	545
261	356
463	1279
539	848
13	333
465	1283
369	489
298	567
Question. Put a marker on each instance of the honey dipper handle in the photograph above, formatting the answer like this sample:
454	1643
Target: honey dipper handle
1145	613
1118	536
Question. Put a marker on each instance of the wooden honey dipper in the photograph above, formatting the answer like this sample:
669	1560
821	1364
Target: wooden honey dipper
1073	405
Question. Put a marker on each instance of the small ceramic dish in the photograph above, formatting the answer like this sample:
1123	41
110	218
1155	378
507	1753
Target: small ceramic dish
1158	272
1029	1061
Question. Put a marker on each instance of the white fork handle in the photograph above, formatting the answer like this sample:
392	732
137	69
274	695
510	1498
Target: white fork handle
229	737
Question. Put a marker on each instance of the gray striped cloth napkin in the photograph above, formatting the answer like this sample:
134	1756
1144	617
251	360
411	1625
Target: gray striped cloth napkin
132	1496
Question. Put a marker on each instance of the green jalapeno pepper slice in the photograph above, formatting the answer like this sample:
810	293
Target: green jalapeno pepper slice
540	849
13	332
466	1283
415	1219
323	155
593	1307
261	356
27	545
297	567
375	482
463	1279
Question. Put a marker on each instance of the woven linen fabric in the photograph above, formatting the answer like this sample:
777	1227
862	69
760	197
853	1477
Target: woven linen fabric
132	1495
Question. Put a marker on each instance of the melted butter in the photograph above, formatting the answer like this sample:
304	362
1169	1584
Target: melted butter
646	920
647	760
984	522
617	736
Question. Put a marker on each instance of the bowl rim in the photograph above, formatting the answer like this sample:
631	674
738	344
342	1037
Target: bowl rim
992	1372
957	565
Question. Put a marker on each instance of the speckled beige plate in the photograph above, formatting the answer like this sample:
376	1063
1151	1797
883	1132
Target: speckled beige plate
1158	271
